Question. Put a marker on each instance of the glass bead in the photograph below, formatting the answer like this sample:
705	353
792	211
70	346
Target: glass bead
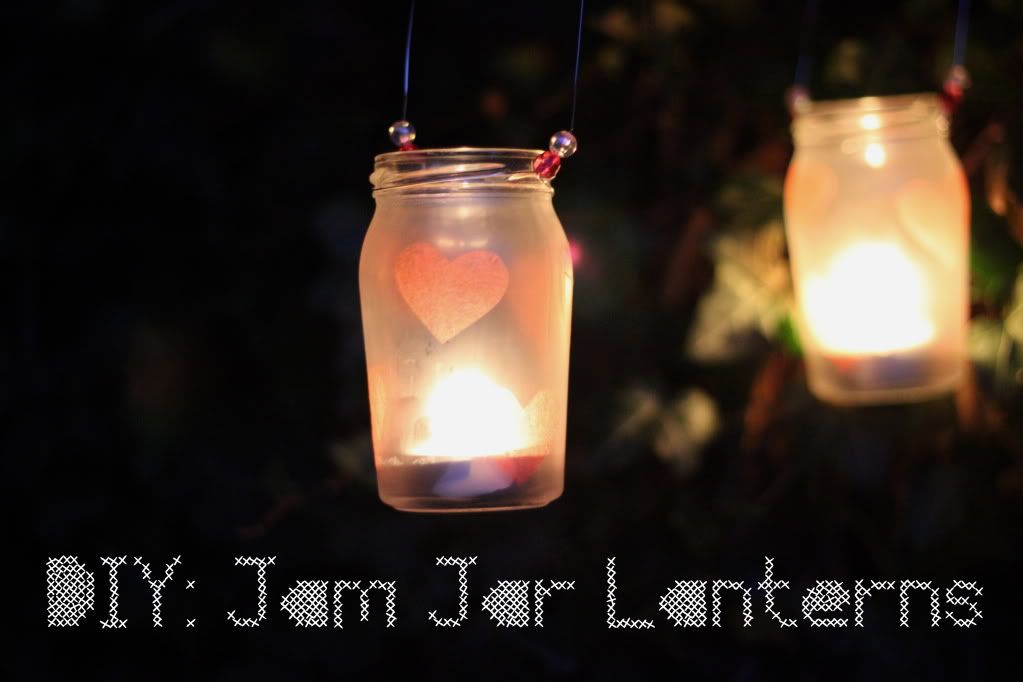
797	99
402	133
958	77
563	143
954	87
546	165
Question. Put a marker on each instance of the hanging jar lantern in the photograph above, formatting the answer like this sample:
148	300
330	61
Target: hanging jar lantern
877	220
466	288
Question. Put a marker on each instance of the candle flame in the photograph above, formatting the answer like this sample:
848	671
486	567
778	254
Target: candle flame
870	121
871	300
875	155
468	415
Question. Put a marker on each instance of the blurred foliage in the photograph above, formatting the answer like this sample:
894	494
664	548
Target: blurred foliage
749	297
996	344
678	430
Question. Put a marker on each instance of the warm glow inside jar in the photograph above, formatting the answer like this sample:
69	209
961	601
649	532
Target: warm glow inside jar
877	220
466	287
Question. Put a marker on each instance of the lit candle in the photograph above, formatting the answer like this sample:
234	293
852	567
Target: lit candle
476	434
468	415
871	300
870	315
472	438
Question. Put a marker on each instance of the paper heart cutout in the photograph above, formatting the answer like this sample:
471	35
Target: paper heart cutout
539	420
449	295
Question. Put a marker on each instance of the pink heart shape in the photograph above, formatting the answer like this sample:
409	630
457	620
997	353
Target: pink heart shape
449	295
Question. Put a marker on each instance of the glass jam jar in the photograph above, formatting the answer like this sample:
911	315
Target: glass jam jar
877	221
466	282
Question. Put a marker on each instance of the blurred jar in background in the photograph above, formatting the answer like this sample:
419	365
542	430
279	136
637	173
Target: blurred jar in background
877	222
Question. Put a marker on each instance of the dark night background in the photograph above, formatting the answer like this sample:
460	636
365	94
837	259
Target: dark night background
184	197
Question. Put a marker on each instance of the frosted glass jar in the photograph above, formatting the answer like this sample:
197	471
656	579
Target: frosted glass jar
466	288
877	221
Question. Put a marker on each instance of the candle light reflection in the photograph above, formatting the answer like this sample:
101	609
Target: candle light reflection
872	299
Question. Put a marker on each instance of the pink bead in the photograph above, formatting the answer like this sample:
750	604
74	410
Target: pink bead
546	165
407	147
950	100
954	87
797	99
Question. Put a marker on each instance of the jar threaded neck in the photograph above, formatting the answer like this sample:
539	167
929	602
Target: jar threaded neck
425	171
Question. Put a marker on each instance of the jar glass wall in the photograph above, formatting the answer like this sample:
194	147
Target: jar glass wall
877	221
466	289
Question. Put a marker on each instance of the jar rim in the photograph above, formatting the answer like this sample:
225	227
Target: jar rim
449	152
891	116
871	104
448	169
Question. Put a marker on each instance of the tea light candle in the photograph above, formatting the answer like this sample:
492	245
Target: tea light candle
468	415
870	301
472	439
476	436
870	315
